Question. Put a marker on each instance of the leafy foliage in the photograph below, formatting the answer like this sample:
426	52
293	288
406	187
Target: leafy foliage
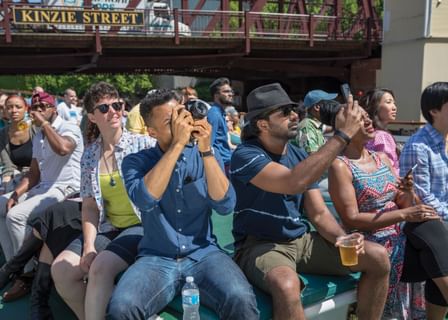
129	85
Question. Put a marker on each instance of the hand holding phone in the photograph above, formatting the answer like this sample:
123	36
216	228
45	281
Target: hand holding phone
346	92
411	170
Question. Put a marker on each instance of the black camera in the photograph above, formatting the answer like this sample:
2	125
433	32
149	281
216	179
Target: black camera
198	108
328	111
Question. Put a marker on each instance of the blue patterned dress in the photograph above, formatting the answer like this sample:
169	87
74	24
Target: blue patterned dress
375	194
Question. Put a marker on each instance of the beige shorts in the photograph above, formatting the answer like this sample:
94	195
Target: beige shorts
309	254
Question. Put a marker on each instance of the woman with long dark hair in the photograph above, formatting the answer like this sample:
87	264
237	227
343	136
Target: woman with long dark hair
370	198
381	107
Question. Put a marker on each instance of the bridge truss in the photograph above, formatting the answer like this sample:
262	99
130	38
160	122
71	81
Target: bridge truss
241	39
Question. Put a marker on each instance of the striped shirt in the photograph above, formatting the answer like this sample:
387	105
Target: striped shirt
427	148
259	213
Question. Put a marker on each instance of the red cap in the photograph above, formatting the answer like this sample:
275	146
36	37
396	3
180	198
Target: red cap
43	97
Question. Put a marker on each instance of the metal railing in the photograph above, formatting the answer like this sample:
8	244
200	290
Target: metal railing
178	23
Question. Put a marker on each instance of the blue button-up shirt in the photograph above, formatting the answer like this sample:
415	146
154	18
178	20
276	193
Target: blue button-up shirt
427	149
217	118
178	224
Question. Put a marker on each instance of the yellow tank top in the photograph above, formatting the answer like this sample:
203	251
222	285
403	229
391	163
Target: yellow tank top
117	206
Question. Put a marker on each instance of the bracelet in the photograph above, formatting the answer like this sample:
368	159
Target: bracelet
343	136
44	123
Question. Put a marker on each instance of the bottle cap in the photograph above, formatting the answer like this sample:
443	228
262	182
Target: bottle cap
190	279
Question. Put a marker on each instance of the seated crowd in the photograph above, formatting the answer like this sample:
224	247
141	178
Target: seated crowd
132	193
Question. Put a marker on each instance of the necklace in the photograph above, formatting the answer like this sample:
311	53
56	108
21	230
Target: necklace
112	181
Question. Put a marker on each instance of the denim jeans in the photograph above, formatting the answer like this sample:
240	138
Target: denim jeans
152	282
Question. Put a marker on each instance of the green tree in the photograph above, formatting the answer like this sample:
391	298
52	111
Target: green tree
132	86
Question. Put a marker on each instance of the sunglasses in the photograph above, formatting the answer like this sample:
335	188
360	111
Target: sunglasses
42	106
285	110
104	108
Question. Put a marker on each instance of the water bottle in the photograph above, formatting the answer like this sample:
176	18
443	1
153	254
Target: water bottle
190	300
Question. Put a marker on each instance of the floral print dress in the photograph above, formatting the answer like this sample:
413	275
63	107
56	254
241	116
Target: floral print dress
375	194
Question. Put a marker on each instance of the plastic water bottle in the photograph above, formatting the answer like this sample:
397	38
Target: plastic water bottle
190	300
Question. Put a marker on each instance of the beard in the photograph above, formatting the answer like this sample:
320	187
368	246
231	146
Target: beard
225	102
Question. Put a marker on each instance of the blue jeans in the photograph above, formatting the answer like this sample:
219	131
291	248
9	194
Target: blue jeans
152	282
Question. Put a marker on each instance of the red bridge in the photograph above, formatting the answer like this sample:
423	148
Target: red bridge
295	39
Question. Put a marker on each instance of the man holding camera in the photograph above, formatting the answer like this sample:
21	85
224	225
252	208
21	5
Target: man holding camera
310	133
176	185
275	184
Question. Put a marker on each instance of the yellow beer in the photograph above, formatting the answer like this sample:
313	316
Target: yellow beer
348	254
24	125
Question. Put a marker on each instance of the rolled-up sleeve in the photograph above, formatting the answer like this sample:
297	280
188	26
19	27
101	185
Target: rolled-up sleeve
423	183
225	205
135	167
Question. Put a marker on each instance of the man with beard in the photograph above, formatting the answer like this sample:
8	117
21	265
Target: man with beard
275	185
222	94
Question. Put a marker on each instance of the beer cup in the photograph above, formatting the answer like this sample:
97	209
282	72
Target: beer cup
24	124
347	249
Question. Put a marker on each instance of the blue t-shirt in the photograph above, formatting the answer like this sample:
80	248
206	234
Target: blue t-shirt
217	118
262	214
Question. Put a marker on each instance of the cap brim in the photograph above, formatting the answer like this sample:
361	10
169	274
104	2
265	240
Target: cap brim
250	115
329	96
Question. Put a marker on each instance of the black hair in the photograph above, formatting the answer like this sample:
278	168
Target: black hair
153	99
16	95
371	103
217	84
250	129
433	97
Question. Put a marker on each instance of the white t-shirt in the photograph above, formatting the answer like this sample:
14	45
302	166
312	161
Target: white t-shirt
70	113
55	169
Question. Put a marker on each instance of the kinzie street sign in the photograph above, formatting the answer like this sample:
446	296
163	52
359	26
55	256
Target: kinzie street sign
77	16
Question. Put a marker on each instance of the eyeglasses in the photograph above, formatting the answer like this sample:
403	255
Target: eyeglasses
42	106
104	108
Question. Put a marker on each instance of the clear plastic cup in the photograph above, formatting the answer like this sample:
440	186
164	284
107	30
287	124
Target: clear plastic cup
24	124
347	249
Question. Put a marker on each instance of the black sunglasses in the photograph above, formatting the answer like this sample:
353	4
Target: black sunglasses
42	106
104	108
286	110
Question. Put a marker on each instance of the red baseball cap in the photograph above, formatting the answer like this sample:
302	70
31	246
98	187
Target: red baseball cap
43	97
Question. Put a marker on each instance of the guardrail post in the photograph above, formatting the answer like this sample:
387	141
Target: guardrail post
247	23
369	25
98	46
176	26
311	31
7	21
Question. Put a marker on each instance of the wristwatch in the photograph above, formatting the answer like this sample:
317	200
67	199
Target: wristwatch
208	153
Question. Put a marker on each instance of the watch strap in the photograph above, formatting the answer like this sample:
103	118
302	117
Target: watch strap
207	153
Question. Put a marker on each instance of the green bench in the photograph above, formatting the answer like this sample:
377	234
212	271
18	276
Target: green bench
324	297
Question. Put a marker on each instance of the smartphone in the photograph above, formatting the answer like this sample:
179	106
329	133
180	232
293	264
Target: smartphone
345	89
411	170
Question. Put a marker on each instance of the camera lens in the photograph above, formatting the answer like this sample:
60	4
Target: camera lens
328	111
197	108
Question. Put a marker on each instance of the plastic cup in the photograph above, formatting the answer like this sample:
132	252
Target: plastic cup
347	249
24	124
